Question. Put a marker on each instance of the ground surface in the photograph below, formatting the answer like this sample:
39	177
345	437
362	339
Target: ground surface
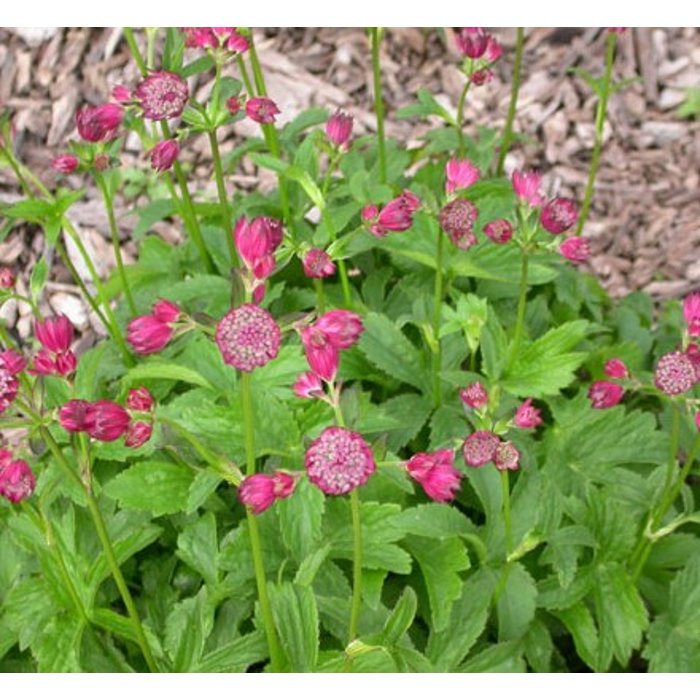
645	222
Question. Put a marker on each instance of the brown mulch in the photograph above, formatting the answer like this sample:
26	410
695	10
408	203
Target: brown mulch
645	222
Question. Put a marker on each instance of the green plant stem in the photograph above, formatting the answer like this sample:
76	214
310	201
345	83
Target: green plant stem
106	543
512	106
320	296
437	316
342	268
460	117
507	522
378	102
356	565
260	579
668	495
245	76
114	232
223	198
135	51
601	113
522	304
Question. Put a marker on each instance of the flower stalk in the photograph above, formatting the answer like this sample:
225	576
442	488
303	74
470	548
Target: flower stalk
512	106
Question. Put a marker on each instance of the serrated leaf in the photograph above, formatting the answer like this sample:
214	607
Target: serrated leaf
159	487
198	547
516	604
401	618
300	519
386	347
499	658
236	656
186	631
296	620
579	621
59	646
435	520
165	370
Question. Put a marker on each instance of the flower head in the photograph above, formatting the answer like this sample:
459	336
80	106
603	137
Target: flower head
499	230
71	415
339	129
248	337
472	41
308	386
527	416
318	264
148	335
460	174
483	76
262	110
339	461
474	396
691	313
480	448
106	421
138	434
526	186
99	123
55	334
436	473
323	357
256	242
342	328
507	457
140	399
559	215
575	249
616	369
605	394
260	491
162	95
9	386
675	373
457	219
164	154
396	215
67	163
17	481
12	361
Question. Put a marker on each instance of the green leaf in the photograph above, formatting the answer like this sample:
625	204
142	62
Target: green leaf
499	658
435	520
300	519
152	213
159	487
59	645
401	618
516	604
386	347
579	621
296	620
38	278
440	562
186	631
236	656
198	547
674	636
545	366
311	189
204	485
164	370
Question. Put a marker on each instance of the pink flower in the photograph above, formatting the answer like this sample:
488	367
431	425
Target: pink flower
474	396
200	38
494	50
162	95
166	311
106	421
260	491
369	213
482	76
55	334
526	186
164	154
65	363
17	481
675	373
9	386
99	123
262	110
13	362
460	174
499	230
248	337
605	394
472	41
256	243
691	313
410	201
233	104
140	399
436	473
339	461
323	358
308	386
237	43
71	415
7	278
457	219
342	328
527	416
318	264
43	363
121	94
147	334
138	434
480	448
616	369
559	215
575	249
339	129
507	457
66	163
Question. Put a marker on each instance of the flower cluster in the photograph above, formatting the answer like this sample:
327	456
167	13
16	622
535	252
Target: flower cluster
480	50
17	481
260	491
248	337
55	335
227	38
150	334
396	216
484	446
11	365
256	242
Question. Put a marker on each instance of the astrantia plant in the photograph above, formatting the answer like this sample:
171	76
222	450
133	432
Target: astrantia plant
376	419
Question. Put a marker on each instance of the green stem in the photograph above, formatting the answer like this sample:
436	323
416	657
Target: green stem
601	113
245	75
356	565
256	547
512	107
223	199
114	232
103	536
378	102
134	49
320	296
522	304
507	522
342	269
460	117
437	316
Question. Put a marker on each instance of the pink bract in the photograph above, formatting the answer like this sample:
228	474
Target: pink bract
605	394
162	95
138	434
527	416
691	313
474	396
17	481
526	185
262	110
616	368
460	174
480	448
106	421
318	264
71	415
575	249
260	491
55	334
436	473
99	123
308	386
499	231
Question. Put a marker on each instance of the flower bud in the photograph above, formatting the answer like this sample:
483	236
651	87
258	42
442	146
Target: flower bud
474	396
499	231
605	394
99	123
164	154
140	399
138	434
436	473
318	264
106	421
559	215
575	249
526	186
17	481
616	369
527	416
66	163
262	110
339	129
